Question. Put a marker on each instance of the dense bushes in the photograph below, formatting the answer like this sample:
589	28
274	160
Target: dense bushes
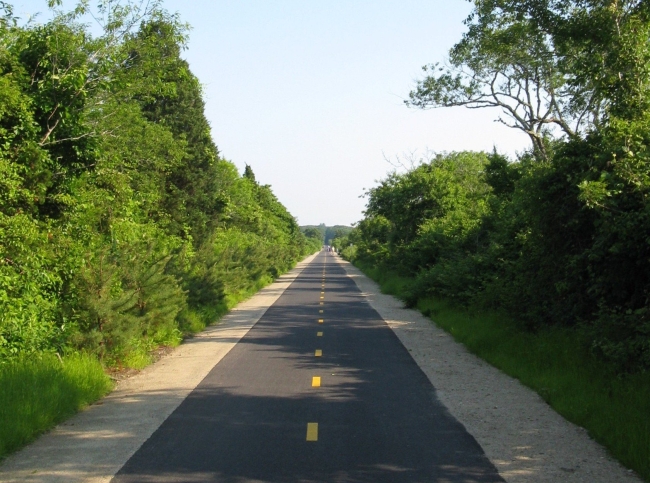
121	226
518	236
558	236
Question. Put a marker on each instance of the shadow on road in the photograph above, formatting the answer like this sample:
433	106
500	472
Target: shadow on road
379	418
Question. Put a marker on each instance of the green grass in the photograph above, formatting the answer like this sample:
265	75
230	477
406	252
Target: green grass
557	365
38	393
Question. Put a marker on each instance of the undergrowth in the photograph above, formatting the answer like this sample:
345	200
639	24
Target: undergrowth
557	364
195	320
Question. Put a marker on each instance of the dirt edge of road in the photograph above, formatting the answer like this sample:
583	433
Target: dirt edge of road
523	436
94	444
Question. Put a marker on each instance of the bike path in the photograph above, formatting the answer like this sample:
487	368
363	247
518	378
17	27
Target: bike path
320	389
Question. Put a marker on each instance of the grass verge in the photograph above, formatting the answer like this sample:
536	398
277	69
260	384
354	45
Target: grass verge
557	364
38	393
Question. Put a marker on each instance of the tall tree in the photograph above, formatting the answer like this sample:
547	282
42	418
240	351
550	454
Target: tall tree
550	66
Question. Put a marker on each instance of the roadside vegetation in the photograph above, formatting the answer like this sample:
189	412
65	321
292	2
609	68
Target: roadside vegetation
326	233
541	263
122	228
37	394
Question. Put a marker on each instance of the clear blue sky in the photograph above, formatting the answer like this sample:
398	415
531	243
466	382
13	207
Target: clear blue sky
310	92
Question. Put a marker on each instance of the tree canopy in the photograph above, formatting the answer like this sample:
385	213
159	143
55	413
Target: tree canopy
121	226
550	66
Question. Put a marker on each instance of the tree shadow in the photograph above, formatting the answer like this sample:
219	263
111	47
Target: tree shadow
378	416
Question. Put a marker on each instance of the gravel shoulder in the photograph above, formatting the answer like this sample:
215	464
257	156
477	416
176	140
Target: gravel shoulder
523	437
94	444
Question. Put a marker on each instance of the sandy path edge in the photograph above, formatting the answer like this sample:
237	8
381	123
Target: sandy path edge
523	436
94	444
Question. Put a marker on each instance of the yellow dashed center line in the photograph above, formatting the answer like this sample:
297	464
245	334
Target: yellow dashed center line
315	381
320	321
319	334
312	431
319	352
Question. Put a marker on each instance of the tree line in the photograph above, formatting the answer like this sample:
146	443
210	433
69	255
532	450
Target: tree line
121	225
559	235
325	233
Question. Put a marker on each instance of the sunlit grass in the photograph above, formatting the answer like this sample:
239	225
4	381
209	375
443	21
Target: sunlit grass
38	393
557	364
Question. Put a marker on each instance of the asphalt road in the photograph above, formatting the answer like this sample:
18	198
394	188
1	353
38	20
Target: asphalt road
319	390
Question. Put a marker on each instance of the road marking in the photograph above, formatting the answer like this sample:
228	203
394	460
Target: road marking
322	302
315	381
312	431
319	334
320	321
322	298
319	352
320	311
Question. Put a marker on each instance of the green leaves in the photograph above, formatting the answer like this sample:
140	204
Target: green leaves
434	211
119	222
557	68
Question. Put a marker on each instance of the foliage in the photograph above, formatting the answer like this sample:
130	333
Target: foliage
326	233
559	242
557	237
548	66
120	224
423	222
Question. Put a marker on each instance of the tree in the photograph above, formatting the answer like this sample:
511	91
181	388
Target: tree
514	58
313	233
